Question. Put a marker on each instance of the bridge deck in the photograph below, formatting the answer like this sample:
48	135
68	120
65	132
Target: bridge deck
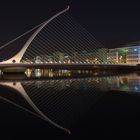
58	65
18	67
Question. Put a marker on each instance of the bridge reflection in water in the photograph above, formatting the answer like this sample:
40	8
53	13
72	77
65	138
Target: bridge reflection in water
64	98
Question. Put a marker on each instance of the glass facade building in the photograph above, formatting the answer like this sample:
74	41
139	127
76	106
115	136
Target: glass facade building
129	54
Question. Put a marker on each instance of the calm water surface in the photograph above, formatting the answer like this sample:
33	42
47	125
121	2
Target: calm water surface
46	104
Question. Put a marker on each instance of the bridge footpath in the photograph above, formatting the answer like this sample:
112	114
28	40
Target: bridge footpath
18	67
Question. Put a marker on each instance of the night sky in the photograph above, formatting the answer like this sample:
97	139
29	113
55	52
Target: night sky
112	22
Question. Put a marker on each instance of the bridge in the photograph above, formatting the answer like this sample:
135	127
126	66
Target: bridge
58	43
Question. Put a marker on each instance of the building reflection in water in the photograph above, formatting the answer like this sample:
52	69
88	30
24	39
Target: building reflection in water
46	73
62	101
57	73
130	82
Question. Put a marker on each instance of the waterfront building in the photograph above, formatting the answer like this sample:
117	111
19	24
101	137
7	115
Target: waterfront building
97	56
129	54
112	56
102	55
133	53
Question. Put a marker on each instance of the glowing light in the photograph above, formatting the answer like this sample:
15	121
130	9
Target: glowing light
136	88
135	50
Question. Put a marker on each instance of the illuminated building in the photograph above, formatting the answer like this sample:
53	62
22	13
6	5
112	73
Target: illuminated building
112	56
129	54
102	55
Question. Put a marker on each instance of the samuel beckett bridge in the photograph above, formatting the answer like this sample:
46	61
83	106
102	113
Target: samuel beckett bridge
58	43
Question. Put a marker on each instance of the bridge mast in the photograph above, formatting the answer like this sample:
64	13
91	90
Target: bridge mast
17	58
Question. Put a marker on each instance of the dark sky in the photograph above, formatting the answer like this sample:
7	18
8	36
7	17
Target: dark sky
112	22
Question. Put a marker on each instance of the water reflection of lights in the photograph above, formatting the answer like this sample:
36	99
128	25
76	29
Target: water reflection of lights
28	72
47	73
37	72
71	90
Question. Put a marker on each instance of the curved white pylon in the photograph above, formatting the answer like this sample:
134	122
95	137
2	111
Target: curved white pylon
17	58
